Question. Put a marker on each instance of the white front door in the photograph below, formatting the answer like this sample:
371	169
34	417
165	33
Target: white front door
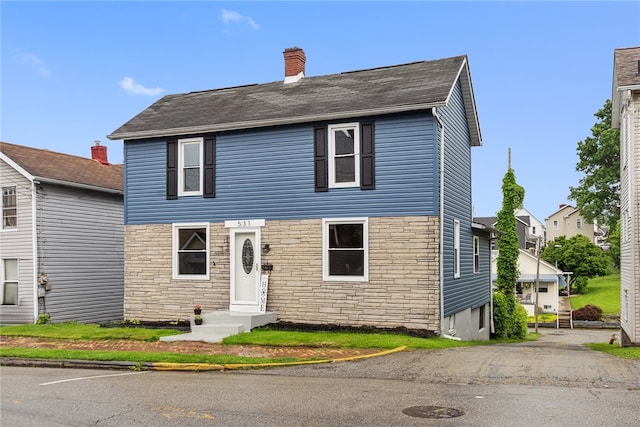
245	270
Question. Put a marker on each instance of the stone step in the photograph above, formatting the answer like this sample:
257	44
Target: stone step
218	328
216	325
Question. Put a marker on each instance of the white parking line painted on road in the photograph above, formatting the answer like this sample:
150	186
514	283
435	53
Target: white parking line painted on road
96	376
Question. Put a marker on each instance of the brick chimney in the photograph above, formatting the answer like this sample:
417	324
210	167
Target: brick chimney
99	153
294	60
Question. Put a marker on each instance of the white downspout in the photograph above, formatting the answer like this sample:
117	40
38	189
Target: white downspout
441	214
34	245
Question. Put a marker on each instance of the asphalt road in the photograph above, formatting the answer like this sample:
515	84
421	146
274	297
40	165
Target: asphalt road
552	382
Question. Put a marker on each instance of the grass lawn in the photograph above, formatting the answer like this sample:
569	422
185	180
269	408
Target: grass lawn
259	336
603	292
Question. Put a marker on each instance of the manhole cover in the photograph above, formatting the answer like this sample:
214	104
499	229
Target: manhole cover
432	412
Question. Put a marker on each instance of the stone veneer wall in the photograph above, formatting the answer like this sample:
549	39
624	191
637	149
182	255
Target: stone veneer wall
403	288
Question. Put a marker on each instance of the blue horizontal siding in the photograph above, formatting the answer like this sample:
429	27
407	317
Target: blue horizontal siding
269	174
470	289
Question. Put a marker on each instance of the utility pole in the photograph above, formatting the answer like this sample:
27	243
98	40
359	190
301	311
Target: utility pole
537	282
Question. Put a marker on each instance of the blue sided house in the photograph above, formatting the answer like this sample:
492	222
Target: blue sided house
341	200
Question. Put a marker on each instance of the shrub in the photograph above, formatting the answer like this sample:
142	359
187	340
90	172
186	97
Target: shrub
580	285
509	317
588	312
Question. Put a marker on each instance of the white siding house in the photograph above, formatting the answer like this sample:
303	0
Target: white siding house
625	114
61	236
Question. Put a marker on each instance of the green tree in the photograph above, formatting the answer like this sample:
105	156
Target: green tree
510	318
597	195
578	255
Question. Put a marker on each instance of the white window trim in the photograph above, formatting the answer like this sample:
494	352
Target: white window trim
356	155
456	248
325	249
476	254
174	252
2	227
181	145
4	280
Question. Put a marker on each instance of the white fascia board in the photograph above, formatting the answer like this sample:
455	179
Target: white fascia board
44	180
16	166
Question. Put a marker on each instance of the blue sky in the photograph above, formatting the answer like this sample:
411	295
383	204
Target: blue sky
73	72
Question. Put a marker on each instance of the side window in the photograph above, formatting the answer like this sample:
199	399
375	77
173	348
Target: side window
481	317
9	208
555	224
476	254
9	281
345	249
456	248
578	223
191	251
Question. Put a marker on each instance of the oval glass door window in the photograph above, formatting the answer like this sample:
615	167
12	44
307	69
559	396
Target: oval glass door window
247	256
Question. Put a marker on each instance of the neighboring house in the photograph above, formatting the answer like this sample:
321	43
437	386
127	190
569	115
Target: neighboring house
61	237
625	114
568	222
537	229
549	279
351	191
522	229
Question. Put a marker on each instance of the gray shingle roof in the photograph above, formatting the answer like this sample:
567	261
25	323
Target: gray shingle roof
65	169
399	88
626	76
627	66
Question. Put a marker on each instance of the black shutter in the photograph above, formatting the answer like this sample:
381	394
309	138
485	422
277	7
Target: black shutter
367	157
172	169
320	157
209	184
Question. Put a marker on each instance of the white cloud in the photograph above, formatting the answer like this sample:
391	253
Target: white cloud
132	88
32	60
231	17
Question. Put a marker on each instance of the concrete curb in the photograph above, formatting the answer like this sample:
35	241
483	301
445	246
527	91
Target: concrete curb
167	366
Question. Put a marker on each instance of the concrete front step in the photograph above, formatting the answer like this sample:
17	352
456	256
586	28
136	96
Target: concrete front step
217	325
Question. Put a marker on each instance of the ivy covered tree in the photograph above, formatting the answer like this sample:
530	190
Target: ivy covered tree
510	318
508	244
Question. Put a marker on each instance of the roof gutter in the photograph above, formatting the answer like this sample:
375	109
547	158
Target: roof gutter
440	125
38	179
158	133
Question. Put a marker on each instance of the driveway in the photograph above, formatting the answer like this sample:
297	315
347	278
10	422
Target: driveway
558	358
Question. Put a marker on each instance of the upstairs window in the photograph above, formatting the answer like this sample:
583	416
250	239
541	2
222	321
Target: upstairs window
344	156
344	150
190	161
9	208
345	250
578	223
9	282
191	251
555	224
191	166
